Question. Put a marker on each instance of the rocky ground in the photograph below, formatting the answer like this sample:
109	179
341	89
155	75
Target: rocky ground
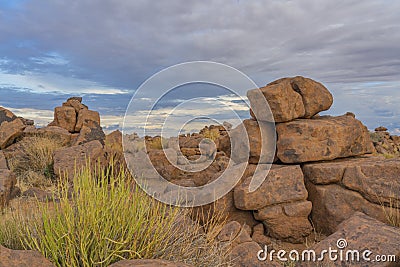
330	177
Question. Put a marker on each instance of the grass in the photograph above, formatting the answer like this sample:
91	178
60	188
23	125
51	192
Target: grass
106	219
392	212
35	166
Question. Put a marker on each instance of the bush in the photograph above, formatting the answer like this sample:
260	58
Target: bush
106	218
35	166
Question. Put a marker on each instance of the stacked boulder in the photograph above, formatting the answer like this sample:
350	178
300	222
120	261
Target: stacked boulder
326	161
11	130
77	119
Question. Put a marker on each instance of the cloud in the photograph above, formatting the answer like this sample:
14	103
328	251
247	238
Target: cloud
111	47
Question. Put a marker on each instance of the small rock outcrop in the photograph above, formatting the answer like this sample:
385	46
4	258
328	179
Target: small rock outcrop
22	258
358	233
11	127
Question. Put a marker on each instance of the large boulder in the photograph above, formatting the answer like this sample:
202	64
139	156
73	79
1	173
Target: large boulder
69	160
375	178
7	184
287	221
86	116
341	187
64	117
54	132
10	130
148	263
282	184
358	234
22	258
245	255
322	138
252	142
289	99
332	204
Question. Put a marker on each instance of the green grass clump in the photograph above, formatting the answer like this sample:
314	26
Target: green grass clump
106	219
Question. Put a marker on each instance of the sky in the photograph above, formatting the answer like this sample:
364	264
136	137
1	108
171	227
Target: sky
104	50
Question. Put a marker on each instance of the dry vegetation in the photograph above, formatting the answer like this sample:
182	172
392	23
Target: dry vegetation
105	219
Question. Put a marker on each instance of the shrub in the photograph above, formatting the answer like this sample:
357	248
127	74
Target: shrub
106	218
35	166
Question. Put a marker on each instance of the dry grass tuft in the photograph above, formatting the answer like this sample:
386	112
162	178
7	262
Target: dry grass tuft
107	219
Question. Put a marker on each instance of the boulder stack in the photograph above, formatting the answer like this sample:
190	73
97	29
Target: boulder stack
78	120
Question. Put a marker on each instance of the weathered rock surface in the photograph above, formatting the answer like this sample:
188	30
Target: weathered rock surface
22	258
322	138
245	255
386	144
235	233
3	161
64	117
148	263
332	204
54	132
361	233
71	159
282	184
86	116
375	178
252	142
289	99
10	131
287	221
7	184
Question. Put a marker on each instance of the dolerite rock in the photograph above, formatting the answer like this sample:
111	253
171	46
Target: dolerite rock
11	127
3	161
375	178
54	132
360	233
252	142
289	99
234	233
76	103
280	203
332	204
322	138
7	184
86	116
282	184
341	187
22	258
245	255
90	132
69	160
148	263
64	117
288	221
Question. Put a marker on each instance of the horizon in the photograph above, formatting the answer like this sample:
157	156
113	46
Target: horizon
50	51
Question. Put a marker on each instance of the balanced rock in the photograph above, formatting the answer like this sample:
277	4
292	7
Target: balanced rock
289	99
22	258
322	138
358	234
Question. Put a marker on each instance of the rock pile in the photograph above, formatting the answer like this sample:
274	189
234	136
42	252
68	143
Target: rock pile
323	171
